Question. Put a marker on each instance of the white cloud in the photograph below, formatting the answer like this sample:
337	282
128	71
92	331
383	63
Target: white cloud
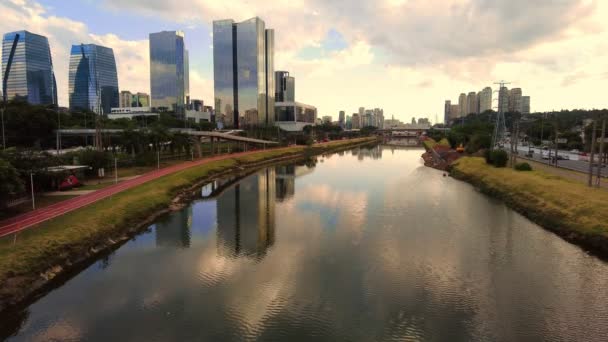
406	56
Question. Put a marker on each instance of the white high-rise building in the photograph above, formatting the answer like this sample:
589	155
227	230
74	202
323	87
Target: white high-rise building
462	105
515	100
471	103
485	100
503	99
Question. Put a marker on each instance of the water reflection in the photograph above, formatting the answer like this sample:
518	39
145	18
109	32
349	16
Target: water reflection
384	249
174	230
246	216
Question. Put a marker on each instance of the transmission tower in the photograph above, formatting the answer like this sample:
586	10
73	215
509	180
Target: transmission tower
500	127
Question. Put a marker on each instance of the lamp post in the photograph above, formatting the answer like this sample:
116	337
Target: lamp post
32	187
115	170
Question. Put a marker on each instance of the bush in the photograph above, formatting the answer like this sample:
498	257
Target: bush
499	158
523	167
487	154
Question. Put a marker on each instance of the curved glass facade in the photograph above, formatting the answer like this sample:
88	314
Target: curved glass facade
27	68
244	80
167	71
93	80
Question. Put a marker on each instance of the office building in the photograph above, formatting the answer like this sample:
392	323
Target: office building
462	105
93	80
294	116
515	100
126	99
197	105
141	100
27	68
356	121
342	118
525	104
244	77
446	111
485	100
327	119
285	89
168	69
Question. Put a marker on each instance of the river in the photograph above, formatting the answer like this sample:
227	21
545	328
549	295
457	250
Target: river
364	245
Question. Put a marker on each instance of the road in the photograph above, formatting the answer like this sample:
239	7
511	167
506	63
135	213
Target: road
572	164
26	220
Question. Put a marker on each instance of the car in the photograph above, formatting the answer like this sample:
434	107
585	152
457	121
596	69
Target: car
563	157
546	155
575	151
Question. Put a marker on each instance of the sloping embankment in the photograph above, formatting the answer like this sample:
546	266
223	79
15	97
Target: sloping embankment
570	209
31	261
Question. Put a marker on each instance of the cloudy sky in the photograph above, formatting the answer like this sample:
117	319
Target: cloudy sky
406	56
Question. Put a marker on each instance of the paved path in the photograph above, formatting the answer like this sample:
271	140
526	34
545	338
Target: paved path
68	193
26	220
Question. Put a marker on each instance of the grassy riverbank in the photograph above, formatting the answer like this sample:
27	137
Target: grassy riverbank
569	208
46	250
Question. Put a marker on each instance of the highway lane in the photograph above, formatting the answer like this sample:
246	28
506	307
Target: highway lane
572	164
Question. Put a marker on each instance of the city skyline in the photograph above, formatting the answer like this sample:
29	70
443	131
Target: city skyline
333	50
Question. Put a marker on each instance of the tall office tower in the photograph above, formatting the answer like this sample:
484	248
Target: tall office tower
525	104
478	102
356	121
471	103
515	98
503	99
485	100
285	89
244	78
142	100
126	99
462	105
349	122
27	68
186	78
93	80
413	121
361	111
447	107
342	118
167	68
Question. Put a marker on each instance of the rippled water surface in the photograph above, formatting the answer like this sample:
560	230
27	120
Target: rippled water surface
365	245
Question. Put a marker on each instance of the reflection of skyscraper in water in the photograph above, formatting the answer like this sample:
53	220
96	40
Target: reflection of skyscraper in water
286	179
174	230
369	152
246	216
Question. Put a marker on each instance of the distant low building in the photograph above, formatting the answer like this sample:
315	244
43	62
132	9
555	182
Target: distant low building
294	116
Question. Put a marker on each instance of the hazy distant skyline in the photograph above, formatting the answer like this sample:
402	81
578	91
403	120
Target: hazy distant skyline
406	56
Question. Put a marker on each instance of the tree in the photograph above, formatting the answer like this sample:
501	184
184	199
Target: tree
10	182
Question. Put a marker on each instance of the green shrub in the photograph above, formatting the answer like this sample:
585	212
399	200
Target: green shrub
487	154
523	167
499	158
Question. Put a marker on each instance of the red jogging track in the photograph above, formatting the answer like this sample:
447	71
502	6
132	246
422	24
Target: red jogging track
26	220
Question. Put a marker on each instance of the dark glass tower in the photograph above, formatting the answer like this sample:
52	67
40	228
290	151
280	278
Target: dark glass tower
93	80
27	68
168	69
244	79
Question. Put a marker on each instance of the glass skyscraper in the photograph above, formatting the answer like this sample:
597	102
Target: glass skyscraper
27	68
93	80
244	79
168	71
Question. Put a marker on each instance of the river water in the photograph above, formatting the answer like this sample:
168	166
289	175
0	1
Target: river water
366	245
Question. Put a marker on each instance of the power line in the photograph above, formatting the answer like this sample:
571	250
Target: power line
500	128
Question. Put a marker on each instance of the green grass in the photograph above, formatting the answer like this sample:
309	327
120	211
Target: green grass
49	243
430	143
552	201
